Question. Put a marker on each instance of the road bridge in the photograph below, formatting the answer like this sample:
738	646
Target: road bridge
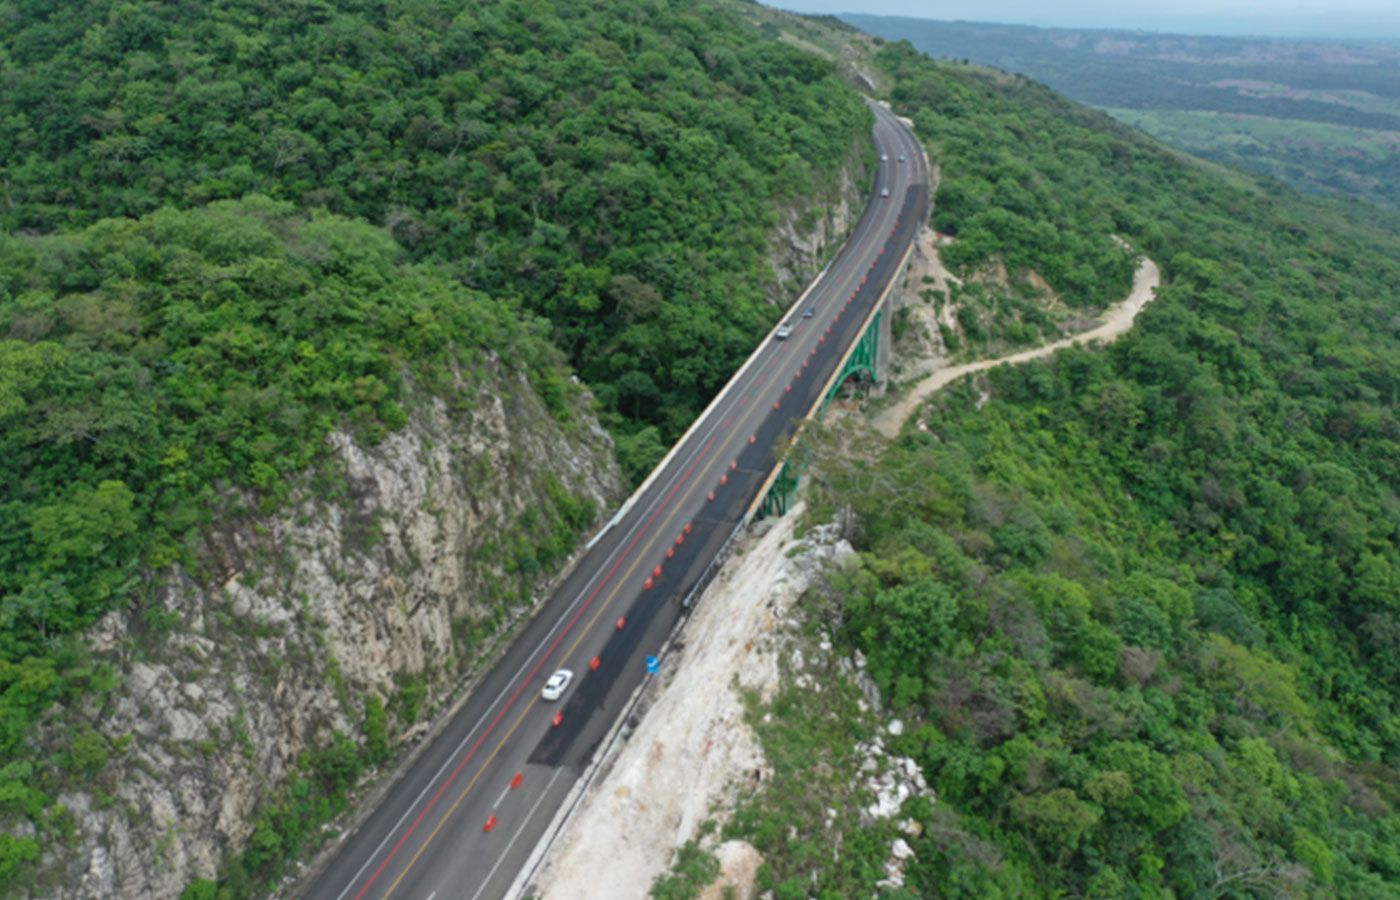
467	814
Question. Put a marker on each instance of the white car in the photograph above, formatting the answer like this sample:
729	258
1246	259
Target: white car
884	157
901	157
783	333
884	192
558	682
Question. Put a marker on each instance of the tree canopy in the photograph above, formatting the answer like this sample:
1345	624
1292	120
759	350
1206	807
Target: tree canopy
231	227
542	150
1137	606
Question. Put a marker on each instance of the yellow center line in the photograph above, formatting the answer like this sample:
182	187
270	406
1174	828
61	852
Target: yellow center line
460	797
617	587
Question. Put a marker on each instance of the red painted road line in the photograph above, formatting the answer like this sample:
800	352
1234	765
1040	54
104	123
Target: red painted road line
538	665
759	382
533	672
727	421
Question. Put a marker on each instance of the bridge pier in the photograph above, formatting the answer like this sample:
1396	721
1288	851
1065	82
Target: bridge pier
886	338
866	362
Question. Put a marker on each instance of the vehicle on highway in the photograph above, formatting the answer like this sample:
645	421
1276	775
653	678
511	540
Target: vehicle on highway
884	192
811	311
884	157
901	157
558	682
784	331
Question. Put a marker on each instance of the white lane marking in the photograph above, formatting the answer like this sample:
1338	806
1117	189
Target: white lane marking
500	798
862	246
526	821
432	895
606	565
623	544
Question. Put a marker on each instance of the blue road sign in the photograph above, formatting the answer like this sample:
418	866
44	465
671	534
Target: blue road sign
653	665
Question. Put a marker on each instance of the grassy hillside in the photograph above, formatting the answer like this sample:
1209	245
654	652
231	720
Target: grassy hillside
1322	116
1138	609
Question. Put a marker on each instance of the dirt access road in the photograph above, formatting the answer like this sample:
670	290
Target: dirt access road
1116	320
693	751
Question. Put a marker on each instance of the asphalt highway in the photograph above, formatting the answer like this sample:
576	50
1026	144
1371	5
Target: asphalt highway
462	821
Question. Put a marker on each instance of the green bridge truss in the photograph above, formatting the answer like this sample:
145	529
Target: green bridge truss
863	363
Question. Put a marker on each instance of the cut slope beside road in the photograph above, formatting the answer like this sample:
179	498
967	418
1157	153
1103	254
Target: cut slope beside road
466	817
692	748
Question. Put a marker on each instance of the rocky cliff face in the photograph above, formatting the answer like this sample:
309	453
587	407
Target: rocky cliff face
390	574
808	234
424	548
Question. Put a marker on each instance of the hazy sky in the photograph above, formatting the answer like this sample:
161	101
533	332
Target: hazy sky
1300	18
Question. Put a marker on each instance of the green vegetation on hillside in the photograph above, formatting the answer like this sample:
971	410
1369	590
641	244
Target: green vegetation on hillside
614	166
1139	611
1322	116
231	227
151	364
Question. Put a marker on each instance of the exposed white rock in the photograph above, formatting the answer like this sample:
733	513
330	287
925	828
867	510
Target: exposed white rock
801	241
306	612
890	780
692	753
868	688
900	854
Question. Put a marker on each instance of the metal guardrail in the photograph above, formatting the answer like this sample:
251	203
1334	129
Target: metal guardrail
722	556
714	565
827	388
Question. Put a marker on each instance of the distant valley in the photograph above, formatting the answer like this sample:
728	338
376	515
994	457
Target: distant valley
1322	116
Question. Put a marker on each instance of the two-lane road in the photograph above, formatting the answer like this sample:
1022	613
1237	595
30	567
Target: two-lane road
463	819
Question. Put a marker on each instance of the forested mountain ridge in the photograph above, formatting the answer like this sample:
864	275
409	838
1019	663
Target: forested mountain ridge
1135	609
289	302
268	486
588	159
1320	115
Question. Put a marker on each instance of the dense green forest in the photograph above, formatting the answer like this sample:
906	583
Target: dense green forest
231	227
149	364
1140	610
614	166
1322	116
